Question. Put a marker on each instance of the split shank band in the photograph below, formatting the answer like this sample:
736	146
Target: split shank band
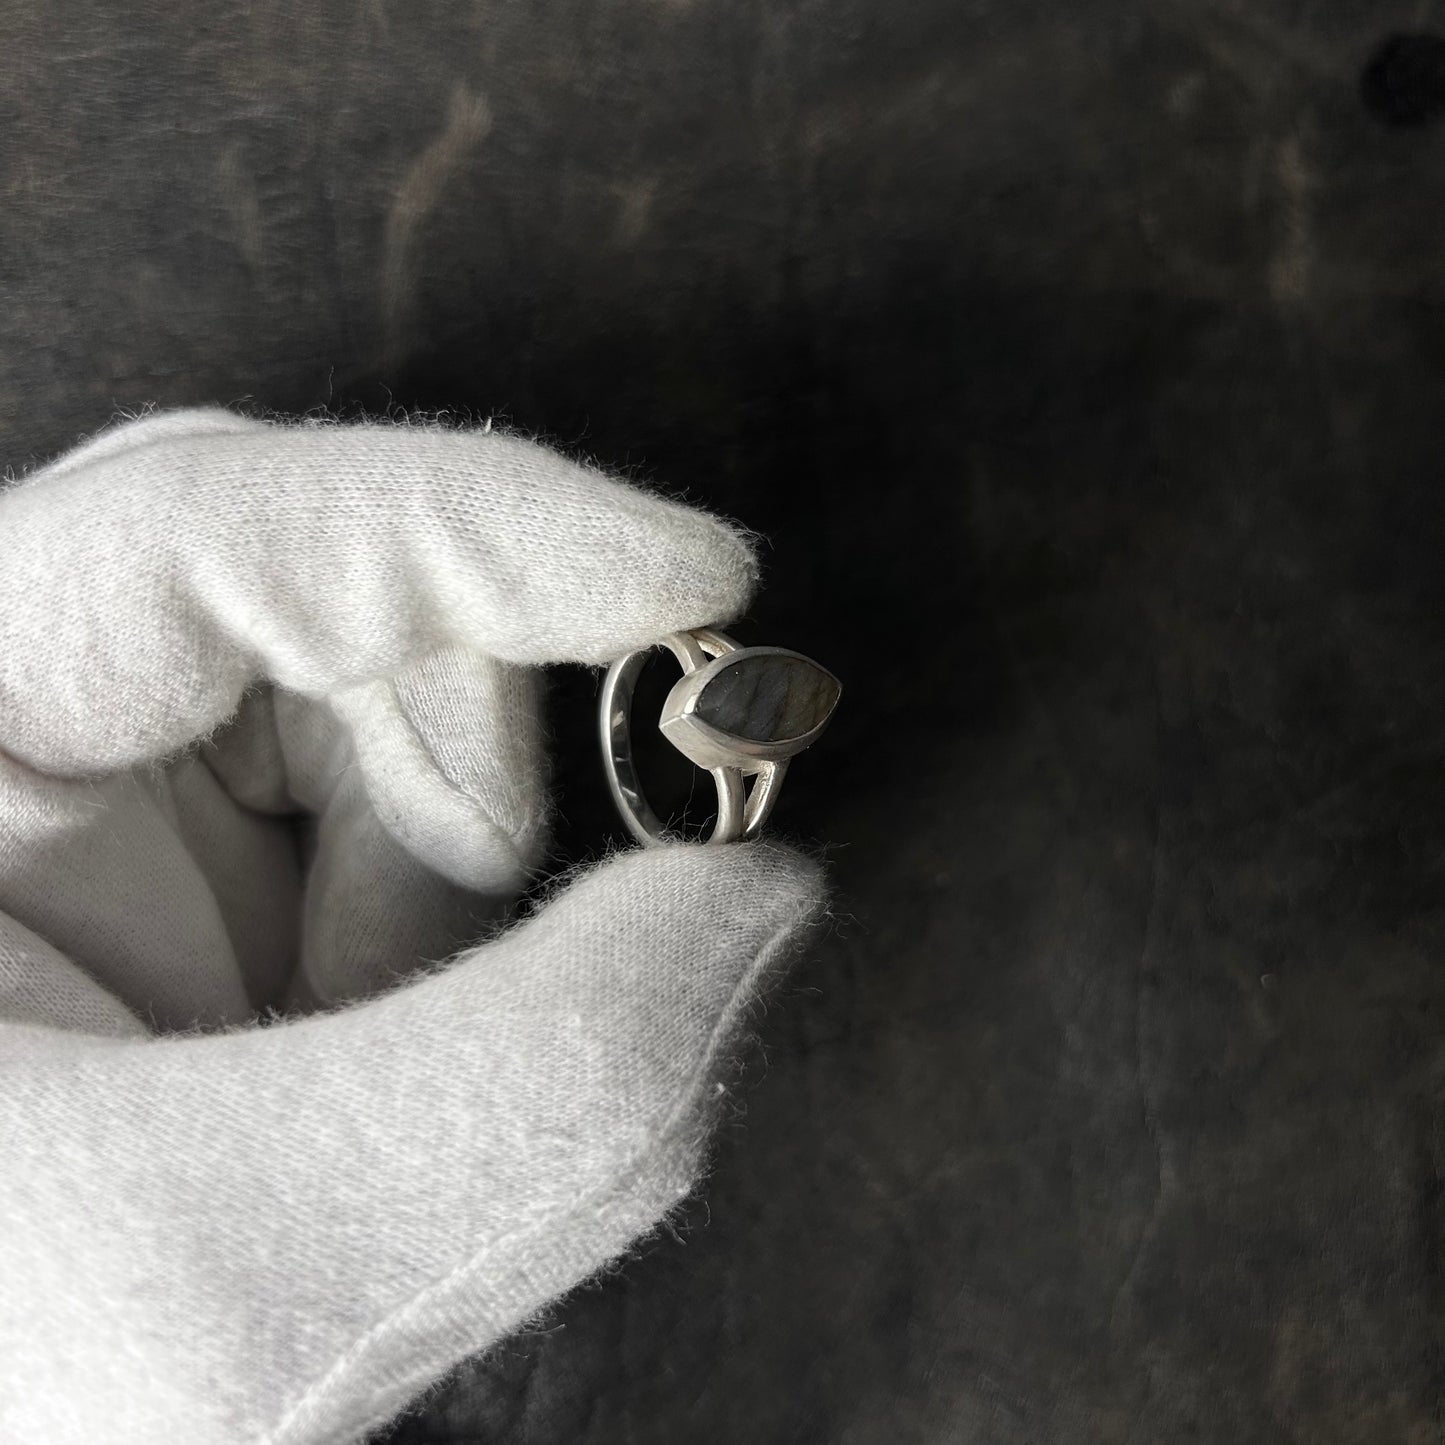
738	712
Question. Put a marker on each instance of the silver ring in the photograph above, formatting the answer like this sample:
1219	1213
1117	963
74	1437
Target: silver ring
737	712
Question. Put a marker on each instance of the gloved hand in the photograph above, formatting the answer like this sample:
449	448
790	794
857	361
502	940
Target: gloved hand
207	626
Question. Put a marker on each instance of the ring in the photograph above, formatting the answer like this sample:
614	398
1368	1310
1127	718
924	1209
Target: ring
738	712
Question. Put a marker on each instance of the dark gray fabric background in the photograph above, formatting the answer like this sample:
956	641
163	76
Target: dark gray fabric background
1085	365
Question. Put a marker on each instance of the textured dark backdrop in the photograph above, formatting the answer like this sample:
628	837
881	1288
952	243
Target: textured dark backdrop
1085	364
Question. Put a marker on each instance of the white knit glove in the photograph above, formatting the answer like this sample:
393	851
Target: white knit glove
207	626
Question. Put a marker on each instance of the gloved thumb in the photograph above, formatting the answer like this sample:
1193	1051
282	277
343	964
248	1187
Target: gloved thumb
283	1234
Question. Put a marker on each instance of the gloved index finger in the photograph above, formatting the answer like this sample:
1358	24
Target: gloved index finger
144	588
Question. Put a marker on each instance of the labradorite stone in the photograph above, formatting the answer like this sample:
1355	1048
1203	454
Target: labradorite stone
768	697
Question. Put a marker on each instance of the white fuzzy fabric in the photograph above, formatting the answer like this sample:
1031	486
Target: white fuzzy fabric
281	1234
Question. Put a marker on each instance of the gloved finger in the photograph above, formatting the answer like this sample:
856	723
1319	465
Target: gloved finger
76	856
450	749
426	839
39	986
80	862
249	864
412	1177
450	752
145	586
429	791
374	913
141	430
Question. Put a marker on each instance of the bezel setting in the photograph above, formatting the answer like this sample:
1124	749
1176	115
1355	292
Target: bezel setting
709	746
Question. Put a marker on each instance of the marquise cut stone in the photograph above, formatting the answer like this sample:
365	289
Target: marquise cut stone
768	697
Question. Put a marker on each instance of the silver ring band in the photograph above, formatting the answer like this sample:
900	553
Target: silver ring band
737	712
